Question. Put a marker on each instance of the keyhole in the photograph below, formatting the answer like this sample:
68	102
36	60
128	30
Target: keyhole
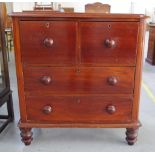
47	25
109	26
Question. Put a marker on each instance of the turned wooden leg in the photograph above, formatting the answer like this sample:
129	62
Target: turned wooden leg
131	135
26	135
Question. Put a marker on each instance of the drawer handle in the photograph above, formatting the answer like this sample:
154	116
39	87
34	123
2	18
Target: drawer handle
48	42
112	80
47	109
46	80
110	43
111	109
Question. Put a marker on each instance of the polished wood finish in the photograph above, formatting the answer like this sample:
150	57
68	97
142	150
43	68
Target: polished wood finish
79	125
50	42
26	135
76	109
88	80
107	45
85	72
19	72
151	47
111	109
46	80
131	135
85	16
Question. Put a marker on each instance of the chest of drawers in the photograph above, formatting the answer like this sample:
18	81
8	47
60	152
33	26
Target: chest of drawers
151	45
78	70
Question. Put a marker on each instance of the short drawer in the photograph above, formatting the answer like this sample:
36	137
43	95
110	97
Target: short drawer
109	43
79	109
70	80
48	42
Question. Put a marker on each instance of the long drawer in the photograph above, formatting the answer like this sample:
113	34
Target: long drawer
70	80
88	109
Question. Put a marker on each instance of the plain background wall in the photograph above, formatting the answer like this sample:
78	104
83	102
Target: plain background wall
117	6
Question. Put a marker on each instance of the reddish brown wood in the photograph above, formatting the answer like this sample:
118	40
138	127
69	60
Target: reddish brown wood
138	72
90	16
92	80
19	70
46	80
131	135
78	125
111	109
79	70
112	80
151	47
109	43
77	109
48	42
26	135
47	109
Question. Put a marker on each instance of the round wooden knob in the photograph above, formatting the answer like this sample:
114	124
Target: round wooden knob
47	109
111	109
112	80
46	80
48	42
110	43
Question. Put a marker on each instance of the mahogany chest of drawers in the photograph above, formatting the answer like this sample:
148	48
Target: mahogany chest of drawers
78	70
151	46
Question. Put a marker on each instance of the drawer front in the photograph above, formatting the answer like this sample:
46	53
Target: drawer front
79	109
48	42
68	80
109	43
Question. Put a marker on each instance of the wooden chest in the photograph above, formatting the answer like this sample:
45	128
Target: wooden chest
78	70
151	47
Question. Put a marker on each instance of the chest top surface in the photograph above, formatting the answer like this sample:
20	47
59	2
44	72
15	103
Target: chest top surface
48	14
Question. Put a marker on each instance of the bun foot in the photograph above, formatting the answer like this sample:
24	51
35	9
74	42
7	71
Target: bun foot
26	135
131	135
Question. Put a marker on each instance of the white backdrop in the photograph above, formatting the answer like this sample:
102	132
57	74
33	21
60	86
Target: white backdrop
117	6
